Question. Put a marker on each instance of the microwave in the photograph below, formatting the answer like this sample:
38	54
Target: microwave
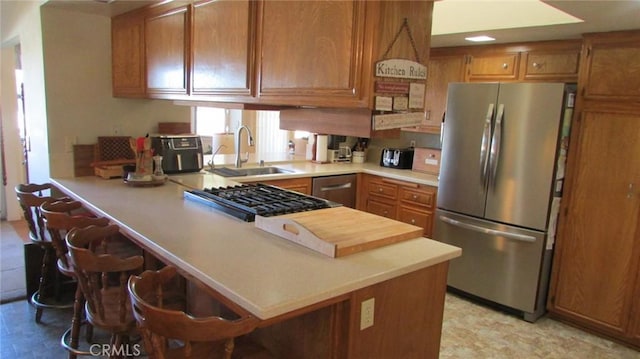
180	153
401	158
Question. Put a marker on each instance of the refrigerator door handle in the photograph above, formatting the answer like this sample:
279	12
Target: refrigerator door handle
509	235
484	145
494	154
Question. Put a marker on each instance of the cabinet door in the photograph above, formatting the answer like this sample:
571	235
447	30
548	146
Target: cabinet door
498	67
167	38
222	48
381	208
551	66
442	71
612	67
597	246
309	52
635	314
418	218
127	55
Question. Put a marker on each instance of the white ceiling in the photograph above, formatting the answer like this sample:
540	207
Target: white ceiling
598	16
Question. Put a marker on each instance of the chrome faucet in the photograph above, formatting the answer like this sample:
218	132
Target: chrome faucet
212	165
239	160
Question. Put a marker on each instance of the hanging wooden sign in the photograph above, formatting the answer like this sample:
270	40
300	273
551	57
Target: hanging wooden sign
401	68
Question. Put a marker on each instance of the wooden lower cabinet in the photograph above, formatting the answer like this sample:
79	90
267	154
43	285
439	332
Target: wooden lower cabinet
404	201
302	185
596	268
408	315
635	317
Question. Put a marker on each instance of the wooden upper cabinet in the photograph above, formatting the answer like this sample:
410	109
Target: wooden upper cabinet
551	65
310	52
222	48
611	66
493	67
127	55
442	70
167	50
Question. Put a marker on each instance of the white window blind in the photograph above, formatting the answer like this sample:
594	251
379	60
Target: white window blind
270	138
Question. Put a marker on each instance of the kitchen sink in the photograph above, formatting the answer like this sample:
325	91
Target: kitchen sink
255	171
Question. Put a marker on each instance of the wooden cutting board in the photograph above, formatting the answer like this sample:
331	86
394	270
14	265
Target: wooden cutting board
338	231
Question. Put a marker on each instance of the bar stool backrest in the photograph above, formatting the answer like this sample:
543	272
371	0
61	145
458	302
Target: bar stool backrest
103	277
59	219
159	322
31	196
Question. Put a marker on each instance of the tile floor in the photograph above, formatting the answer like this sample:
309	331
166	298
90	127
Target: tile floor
12	279
469	330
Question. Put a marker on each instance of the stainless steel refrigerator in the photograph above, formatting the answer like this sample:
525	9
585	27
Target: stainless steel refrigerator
503	150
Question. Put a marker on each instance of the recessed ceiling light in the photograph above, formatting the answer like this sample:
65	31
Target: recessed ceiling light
482	38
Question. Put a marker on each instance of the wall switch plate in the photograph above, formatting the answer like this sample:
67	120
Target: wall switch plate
69	142
366	313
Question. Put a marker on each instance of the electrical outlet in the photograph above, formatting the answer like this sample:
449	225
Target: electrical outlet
412	143
366	313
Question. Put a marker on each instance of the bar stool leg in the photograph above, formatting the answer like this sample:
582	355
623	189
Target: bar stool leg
76	321
44	274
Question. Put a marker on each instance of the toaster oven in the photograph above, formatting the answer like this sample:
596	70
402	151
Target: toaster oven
180	153
401	158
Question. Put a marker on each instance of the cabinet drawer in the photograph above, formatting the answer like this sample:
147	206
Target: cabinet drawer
551	66
494	67
381	209
386	190
419	197
417	218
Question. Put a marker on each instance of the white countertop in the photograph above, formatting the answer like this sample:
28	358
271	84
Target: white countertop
300	169
265	274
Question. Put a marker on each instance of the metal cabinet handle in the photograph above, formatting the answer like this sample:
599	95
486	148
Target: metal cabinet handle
413	221
505	66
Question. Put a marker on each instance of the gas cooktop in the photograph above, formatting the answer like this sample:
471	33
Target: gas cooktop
248	200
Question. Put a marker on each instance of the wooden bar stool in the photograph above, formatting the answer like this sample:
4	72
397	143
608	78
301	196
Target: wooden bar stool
102	277
30	197
169	332
59	219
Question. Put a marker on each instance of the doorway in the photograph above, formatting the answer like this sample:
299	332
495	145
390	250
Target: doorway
13	131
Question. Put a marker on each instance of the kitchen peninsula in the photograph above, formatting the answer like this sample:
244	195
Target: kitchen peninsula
294	292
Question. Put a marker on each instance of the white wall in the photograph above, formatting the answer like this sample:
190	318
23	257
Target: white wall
21	24
77	53
66	58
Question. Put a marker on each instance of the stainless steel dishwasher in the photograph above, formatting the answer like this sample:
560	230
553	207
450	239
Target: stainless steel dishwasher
340	189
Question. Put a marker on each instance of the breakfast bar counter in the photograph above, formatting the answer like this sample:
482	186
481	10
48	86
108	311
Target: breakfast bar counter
275	279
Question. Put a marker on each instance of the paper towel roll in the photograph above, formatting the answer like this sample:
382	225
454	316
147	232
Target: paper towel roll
321	148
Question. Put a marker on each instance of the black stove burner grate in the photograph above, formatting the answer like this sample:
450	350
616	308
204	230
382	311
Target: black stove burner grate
247	201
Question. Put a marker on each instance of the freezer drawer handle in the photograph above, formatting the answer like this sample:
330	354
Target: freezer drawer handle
337	187
518	237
